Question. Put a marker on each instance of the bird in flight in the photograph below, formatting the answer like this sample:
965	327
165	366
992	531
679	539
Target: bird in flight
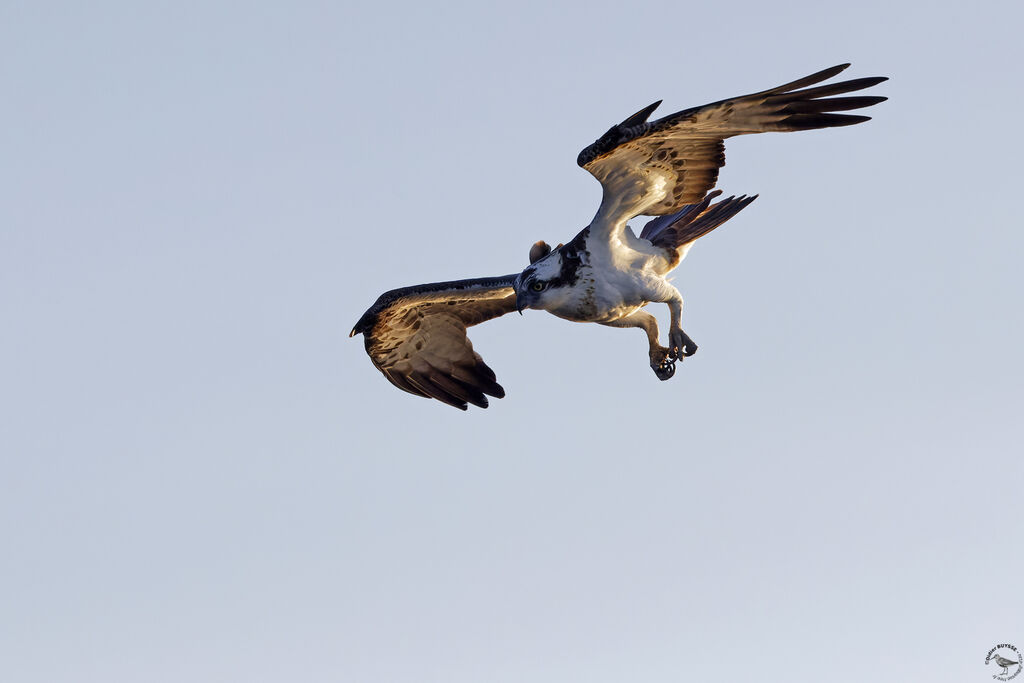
666	168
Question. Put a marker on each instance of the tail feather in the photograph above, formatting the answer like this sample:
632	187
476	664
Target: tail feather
658	225
677	230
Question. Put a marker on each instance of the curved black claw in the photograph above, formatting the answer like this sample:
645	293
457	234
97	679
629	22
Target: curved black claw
687	349
680	344
665	370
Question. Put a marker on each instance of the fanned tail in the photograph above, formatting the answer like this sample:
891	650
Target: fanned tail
692	222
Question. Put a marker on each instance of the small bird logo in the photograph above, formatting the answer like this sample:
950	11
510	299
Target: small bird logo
1003	662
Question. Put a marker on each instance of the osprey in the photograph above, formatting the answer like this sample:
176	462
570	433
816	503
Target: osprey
606	274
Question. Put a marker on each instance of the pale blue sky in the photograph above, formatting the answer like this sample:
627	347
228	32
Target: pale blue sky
204	479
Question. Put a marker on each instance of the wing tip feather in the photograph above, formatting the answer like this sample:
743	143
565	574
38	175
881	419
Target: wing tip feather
641	116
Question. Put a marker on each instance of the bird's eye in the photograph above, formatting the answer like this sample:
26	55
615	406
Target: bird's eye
538	286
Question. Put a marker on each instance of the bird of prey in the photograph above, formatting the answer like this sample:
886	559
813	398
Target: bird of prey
416	336
1003	662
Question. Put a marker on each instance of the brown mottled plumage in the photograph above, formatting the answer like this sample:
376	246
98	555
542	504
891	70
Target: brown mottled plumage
416	336
689	146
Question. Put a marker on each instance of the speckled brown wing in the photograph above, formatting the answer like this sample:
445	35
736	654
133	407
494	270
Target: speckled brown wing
417	337
658	167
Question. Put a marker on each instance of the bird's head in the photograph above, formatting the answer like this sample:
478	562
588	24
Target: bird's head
535	286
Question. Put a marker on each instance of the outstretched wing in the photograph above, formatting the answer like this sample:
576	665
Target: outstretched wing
416	336
658	167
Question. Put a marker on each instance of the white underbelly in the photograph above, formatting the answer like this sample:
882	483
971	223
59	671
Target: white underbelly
599	302
607	290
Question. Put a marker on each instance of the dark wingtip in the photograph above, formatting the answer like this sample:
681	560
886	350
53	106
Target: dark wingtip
641	116
872	80
828	73
849	120
364	324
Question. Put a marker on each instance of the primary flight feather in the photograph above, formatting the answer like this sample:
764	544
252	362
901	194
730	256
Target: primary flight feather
416	336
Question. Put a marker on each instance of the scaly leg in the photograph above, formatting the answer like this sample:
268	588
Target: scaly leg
662	361
679	343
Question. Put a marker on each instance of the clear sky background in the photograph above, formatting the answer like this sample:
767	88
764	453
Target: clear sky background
203	479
